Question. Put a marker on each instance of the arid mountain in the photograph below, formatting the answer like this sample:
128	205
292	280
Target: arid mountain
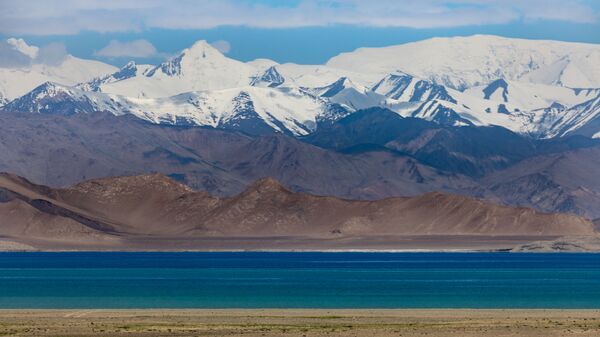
61	151
369	155
30	212
153	211
469	150
564	182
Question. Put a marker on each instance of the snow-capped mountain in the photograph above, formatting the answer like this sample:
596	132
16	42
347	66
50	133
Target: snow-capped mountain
18	80
581	119
406	88
348	94
463	62
250	109
200	67
130	70
530	96
539	88
269	78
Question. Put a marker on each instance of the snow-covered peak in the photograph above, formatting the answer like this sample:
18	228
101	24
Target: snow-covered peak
127	71
262	63
202	49
131	69
341	84
403	87
442	112
51	98
463	62
200	55
249	109
49	89
392	84
129	65
338	86
199	67
581	119
523	85
351	96
269	78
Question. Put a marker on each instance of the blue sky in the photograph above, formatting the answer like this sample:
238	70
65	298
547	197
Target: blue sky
301	31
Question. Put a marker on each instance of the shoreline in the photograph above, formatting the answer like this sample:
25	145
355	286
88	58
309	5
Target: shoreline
390	244
301	322
327	251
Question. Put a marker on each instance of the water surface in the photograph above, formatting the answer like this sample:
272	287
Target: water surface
299	280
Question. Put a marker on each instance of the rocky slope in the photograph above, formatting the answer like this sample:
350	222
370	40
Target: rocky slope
566	181
372	154
60	151
110	212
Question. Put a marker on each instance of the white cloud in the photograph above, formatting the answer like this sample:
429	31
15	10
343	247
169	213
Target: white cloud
10	57
136	48
52	54
16	53
48	17
222	46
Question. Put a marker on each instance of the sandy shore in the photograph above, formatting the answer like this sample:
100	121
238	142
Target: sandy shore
290	243
271	322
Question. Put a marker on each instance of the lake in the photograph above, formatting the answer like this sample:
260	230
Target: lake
299	280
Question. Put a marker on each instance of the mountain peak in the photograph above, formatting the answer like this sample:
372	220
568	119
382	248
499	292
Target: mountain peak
150	184
203	49
557	106
398	73
201	55
463	62
269	78
51	98
129	65
49	86
127	71
337	86
266	185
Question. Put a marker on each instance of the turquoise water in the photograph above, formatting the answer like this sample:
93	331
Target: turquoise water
299	280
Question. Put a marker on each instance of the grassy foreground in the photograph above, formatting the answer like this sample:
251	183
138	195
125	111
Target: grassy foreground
309	322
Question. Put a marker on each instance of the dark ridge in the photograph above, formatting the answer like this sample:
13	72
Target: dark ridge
48	207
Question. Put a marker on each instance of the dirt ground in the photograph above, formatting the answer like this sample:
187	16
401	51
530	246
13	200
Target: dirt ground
305	323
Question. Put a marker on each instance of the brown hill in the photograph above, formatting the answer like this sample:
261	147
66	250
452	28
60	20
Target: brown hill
155	212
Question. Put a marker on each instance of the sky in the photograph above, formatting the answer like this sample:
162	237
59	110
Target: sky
300	31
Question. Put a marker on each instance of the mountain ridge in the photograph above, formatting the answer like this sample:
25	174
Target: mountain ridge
156	208
199	86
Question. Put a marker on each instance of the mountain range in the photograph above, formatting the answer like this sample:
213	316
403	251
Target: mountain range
159	213
512	122
540	88
369	155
